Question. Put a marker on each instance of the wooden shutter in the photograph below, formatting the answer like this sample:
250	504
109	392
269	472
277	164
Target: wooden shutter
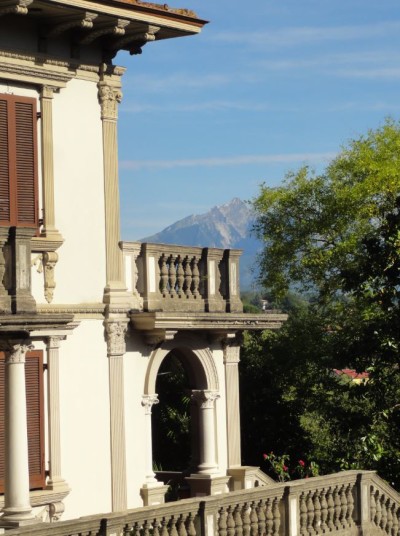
18	152
35	419
4	164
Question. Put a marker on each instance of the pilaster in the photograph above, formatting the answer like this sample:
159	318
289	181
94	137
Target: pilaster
231	350
17	509
110	96
115	330
20	288
55	481
49	221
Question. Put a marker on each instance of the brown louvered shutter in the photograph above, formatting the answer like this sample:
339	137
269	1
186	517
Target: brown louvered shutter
35	419
4	164
18	152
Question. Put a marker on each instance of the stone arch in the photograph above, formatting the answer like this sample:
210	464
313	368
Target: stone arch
197	358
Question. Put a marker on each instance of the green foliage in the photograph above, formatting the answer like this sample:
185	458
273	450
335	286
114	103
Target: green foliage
335	236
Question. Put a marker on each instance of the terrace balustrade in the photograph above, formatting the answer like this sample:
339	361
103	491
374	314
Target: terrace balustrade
346	503
165	277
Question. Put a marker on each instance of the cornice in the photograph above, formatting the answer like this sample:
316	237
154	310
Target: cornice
78	310
230	322
40	69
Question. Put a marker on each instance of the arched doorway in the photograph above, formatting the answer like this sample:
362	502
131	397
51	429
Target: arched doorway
182	378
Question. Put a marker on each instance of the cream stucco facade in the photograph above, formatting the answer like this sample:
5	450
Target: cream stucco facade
105	314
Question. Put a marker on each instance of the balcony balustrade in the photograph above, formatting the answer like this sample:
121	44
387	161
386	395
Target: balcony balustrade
346	503
172	278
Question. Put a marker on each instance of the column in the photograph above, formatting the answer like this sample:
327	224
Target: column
55	480
116	348
46	107
231	363
110	96
17	508
147	402
206	404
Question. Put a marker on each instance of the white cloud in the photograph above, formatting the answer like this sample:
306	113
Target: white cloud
157	83
309	34
227	161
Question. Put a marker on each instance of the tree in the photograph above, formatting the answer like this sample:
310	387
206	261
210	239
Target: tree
313	225
334	236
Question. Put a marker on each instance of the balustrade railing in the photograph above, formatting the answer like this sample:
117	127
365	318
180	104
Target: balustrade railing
347	503
165	277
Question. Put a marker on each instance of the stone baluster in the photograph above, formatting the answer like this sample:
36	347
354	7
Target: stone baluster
172	276
180	276
382	524
147	402
253	521
246	520
187	283
269	518
317	513
303	515
238	521
195	277
135	530
206	401
310	513
156	524
164	527
172	527
324	512
190	528
389	522
277	517
395	527
350	505
17	509
331	510
222	527
145	529
163	275
181	527
336	500
230	523
261	518
378	513
343	507
372	507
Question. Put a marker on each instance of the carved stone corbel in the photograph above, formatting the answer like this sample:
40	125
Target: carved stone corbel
135	41
56	510
50	259
156	337
63	24
16	7
115	28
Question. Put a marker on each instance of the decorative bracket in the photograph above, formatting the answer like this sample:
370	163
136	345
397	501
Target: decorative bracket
156	337
16	7
114	27
50	259
61	25
134	42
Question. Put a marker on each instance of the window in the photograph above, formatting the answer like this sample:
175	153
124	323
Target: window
18	162
35	418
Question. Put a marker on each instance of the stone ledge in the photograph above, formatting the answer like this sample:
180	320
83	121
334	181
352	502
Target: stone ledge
205	321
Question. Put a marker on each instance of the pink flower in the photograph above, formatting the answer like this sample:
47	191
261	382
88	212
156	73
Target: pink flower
301	463
285	468
265	456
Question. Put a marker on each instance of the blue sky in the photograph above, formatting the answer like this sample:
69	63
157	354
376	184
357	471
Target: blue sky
266	87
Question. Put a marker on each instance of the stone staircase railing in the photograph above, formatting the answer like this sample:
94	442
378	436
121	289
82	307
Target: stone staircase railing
164	277
345	503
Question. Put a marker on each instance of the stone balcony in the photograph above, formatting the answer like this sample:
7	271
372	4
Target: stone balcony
183	287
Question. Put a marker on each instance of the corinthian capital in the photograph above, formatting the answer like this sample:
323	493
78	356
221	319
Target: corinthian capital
115	337
109	98
148	401
205	399
16	351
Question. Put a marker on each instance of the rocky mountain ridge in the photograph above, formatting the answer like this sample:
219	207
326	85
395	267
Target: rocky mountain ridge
226	226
